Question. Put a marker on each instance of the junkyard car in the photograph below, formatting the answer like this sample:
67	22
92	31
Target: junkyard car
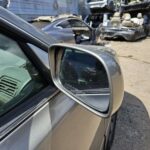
118	29
69	104
67	29
128	34
135	6
101	4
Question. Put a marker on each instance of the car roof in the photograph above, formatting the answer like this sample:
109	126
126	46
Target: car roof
51	21
8	17
64	19
59	20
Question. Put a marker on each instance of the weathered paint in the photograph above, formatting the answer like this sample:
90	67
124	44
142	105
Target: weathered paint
29	9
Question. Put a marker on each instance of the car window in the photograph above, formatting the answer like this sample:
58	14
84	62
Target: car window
76	23
19	79
64	24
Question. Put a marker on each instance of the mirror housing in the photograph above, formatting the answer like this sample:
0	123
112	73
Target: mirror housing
105	57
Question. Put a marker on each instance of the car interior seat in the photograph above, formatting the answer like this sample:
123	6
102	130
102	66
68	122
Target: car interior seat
116	20
140	18
127	20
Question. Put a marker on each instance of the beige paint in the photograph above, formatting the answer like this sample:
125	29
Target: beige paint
79	130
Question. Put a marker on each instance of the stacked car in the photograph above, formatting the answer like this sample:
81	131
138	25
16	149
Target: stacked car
125	27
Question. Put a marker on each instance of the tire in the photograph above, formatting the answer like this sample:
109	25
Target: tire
111	132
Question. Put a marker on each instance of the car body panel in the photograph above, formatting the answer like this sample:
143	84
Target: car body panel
67	34
57	125
129	34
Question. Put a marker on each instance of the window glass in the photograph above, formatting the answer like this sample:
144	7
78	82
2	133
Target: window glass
76	23
19	79
64	24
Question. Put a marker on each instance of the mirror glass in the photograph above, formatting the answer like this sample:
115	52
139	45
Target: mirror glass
85	77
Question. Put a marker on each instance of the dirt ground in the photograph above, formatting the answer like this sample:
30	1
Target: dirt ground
133	123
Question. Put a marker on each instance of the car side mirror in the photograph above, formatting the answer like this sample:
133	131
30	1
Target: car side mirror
89	75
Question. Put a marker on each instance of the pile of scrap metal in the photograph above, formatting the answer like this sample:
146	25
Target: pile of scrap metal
124	27
98	6
136	6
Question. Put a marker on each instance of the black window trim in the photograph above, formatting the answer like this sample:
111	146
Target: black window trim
43	70
29	53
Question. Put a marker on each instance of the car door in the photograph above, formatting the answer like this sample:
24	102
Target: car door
72	28
34	114
61	30
81	29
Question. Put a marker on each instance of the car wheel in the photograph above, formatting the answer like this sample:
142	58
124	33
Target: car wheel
111	132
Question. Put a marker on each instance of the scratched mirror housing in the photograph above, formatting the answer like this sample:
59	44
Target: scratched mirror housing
83	76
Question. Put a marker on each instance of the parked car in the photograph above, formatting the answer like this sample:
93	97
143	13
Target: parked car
67	29
117	28
70	104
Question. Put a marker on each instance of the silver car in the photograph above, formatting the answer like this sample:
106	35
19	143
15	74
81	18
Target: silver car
55	96
65	28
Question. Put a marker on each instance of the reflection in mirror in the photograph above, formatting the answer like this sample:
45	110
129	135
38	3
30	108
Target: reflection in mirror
85	77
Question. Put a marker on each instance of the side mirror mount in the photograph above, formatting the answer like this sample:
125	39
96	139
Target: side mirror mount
89	75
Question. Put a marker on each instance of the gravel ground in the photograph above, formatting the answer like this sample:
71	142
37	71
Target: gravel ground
133	123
